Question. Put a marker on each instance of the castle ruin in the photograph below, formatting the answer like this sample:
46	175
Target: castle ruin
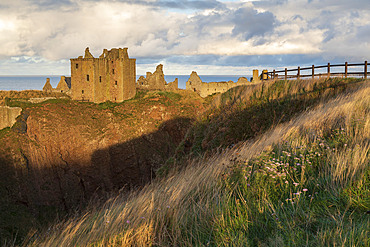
204	89
64	85
156	81
111	77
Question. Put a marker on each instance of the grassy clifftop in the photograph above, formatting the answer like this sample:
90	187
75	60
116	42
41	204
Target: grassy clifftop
300	181
244	113
61	153
27	94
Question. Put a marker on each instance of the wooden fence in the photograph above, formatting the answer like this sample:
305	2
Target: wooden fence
345	72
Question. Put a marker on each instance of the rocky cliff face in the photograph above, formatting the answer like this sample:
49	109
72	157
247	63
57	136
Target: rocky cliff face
8	116
61	153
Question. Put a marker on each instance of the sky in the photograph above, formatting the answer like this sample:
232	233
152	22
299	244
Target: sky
212	37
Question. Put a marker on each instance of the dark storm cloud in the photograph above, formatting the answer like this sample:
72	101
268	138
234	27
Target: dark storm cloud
250	23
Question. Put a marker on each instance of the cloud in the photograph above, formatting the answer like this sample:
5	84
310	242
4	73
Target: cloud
185	4
207	33
249	23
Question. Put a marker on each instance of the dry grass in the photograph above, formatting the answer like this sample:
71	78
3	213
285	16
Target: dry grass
27	94
185	208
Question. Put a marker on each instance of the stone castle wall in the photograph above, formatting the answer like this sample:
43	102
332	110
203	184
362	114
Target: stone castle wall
156	81
204	89
8	116
111	77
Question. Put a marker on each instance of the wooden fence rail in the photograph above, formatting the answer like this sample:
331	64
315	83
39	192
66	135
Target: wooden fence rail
267	75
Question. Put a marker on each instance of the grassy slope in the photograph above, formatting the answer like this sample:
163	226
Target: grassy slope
304	182
149	110
247	112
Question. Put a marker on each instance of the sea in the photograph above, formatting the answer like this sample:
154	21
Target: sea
19	83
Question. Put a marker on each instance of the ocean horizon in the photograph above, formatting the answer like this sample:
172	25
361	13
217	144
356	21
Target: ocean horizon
36	82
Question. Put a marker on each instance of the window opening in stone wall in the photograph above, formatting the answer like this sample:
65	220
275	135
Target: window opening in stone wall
115	83
76	65
115	99
87	77
99	78
82	91
113	71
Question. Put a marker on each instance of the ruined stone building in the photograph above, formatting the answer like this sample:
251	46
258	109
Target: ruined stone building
47	87
64	85
111	77
204	89
156	81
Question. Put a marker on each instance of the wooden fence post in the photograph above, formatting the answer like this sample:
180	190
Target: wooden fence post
328	70
299	72
345	69
365	70
313	71
274	74
286	73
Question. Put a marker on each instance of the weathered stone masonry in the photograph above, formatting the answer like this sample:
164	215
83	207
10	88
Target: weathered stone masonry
156	81
111	77
204	89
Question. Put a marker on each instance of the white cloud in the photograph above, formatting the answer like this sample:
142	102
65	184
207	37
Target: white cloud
55	30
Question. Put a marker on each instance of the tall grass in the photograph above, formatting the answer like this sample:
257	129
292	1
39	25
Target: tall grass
246	112
305	182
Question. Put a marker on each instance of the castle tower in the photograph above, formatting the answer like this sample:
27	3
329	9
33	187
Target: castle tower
256	77
111	77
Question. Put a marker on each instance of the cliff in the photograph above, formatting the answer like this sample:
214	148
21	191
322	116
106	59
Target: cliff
61	153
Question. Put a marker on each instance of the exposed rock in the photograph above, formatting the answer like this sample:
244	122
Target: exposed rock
39	100
8	116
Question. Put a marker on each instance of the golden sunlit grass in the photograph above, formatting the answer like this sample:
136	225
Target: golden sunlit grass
304	182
